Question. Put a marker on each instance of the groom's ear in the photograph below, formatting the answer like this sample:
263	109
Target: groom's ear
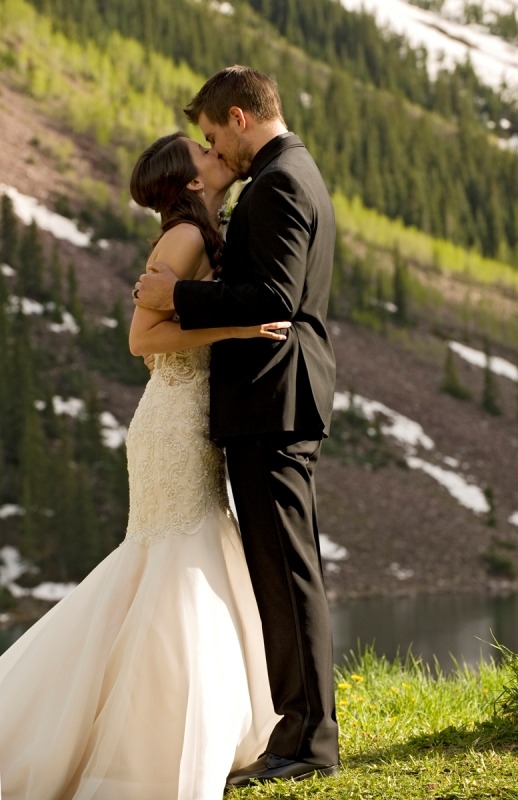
237	117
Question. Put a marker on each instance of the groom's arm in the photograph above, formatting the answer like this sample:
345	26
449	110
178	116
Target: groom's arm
280	226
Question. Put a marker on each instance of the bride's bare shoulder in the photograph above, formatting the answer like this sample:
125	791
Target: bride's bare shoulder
182	248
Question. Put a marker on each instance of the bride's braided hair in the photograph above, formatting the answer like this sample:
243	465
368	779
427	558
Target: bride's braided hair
159	181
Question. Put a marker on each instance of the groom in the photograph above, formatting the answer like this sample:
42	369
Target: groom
271	401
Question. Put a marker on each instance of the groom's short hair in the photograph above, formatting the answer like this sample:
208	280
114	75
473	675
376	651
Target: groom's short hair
240	86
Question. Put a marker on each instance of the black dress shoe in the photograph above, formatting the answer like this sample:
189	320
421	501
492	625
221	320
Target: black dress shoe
269	767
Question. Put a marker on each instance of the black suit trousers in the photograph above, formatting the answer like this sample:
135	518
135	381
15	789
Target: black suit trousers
272	479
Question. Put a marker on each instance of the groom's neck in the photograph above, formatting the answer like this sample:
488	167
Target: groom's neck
264	132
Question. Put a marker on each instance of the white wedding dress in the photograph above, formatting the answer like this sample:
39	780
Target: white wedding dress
148	681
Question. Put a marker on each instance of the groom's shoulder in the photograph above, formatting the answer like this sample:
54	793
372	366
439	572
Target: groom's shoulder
279	177
290	164
290	169
296	166
298	163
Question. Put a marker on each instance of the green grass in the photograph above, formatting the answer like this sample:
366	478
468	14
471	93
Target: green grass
408	732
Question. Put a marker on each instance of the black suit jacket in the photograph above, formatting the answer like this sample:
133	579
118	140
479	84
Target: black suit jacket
277	265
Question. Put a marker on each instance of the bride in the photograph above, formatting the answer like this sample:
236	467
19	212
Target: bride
148	681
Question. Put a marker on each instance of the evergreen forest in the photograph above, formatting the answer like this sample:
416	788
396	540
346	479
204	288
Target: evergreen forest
361	100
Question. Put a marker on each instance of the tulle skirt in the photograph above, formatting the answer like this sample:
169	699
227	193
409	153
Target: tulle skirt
147	682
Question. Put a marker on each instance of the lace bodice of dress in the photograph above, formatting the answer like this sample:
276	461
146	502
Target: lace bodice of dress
176	474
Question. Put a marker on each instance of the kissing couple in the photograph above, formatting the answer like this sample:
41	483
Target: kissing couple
197	657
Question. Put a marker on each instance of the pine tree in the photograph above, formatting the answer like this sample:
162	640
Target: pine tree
5	347
359	284
400	289
32	264
381	302
490	394
89	447
4	293
34	494
64	498
73	299
8	233
20	374
88	530
491	520
451	383
55	281
373	190
49	419
112	353
338	298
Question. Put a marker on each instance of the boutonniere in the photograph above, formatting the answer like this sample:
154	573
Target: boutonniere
225	212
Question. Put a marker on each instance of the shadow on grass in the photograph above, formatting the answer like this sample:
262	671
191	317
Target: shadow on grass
495	734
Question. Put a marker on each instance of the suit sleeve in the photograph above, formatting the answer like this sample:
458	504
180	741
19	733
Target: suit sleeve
280	228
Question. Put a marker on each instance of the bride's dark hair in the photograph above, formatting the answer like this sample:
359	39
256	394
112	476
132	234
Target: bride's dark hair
159	181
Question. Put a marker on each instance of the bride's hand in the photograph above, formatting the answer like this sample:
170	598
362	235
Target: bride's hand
276	331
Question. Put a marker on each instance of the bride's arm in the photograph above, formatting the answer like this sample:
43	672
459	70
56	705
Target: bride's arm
184	247
166	336
154	331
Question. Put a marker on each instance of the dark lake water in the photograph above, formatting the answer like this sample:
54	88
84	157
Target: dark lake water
441	628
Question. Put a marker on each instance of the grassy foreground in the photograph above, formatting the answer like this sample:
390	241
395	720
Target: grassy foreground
408	732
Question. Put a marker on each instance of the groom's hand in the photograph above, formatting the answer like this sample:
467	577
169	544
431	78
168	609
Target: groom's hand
155	288
149	361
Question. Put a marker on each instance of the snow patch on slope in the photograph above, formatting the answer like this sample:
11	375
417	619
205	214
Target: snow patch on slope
447	39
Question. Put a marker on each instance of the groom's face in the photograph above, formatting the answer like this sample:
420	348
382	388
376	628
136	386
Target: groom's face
229	143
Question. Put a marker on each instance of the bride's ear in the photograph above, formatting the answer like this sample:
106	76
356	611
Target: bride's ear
196	185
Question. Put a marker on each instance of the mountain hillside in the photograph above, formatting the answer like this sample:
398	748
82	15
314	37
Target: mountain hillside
417	484
453	31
